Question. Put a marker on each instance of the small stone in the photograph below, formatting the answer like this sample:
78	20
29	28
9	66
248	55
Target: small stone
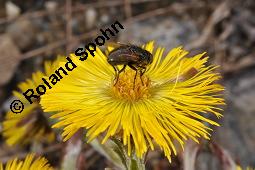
23	33
9	58
90	18
12	10
51	6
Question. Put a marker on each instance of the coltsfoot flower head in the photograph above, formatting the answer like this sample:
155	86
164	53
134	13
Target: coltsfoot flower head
168	103
31	124
247	168
30	163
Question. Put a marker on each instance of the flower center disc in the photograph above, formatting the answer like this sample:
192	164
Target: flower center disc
130	88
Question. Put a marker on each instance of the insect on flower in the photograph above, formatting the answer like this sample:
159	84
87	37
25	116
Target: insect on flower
129	55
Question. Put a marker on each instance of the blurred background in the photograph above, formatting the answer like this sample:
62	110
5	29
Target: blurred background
32	31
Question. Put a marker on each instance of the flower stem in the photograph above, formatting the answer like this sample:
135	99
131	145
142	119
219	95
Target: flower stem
131	162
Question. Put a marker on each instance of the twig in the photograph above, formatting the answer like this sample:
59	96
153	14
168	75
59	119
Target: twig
72	151
79	38
222	11
244	62
190	155
68	25
224	156
43	49
77	8
177	7
128	9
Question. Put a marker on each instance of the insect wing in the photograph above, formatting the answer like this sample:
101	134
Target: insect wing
112	45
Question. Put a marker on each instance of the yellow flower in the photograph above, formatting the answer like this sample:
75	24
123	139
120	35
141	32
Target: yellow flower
240	168
28	164
171	104
27	126
31	124
36	78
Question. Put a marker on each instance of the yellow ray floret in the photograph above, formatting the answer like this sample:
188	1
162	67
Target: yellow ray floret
27	126
30	163
31	124
36	78
169	102
247	168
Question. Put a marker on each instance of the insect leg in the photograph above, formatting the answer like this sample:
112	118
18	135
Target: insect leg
142	71
115	71
116	74
132	67
123	69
